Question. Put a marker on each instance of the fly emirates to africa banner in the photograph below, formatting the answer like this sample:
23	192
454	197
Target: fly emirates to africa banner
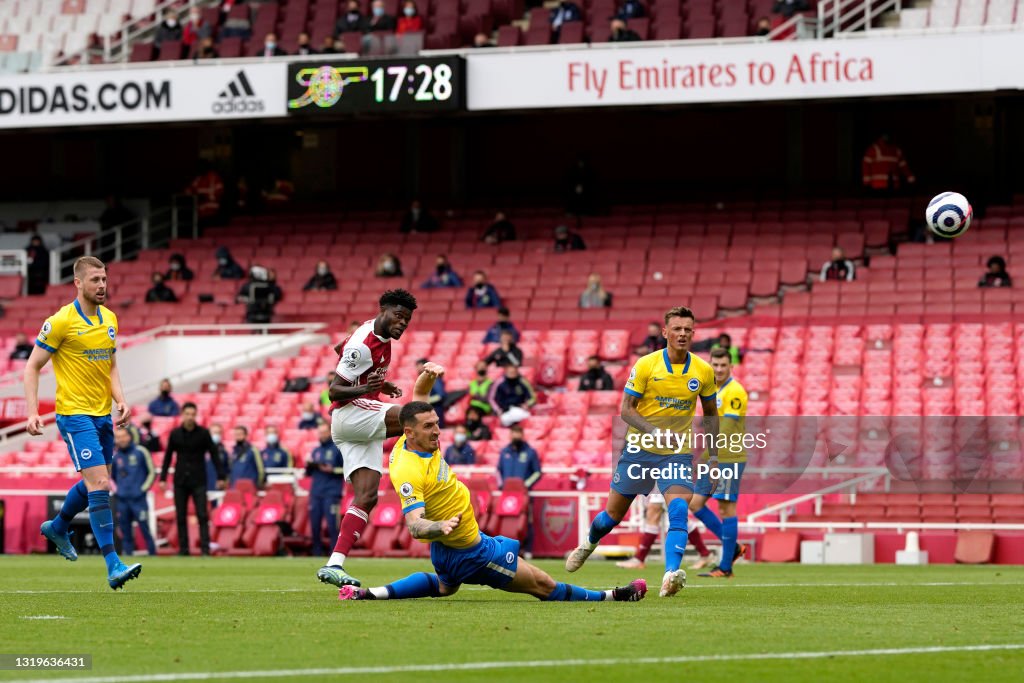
679	74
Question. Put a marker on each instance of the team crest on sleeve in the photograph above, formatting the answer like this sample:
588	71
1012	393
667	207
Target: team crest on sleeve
693	384
351	358
47	328
111	332
406	490
632	374
735	403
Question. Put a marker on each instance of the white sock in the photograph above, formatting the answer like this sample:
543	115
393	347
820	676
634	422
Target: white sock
337	560
608	595
381	593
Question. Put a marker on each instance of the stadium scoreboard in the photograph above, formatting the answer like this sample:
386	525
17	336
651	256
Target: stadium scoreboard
428	84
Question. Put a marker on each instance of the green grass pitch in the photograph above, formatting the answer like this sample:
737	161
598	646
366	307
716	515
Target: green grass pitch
271	618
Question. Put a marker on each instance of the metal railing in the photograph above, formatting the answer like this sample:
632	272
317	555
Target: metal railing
125	241
842	487
847	16
797	27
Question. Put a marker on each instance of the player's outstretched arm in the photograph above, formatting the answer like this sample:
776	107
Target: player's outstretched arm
422	528
39	358
425	382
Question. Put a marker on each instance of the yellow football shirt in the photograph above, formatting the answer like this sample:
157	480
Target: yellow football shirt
83	350
424	480
669	393
732	409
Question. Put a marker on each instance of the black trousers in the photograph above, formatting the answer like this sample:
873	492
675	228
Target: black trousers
197	492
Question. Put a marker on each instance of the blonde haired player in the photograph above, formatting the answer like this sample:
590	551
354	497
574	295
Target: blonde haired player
81	338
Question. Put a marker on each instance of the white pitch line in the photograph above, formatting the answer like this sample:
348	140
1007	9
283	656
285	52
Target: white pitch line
534	664
43	617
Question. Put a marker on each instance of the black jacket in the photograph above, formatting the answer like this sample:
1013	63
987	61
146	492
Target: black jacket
596	380
191	448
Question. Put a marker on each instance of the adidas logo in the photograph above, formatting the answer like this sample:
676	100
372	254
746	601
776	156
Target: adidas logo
238	97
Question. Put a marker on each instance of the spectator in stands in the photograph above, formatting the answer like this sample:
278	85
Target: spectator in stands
503	324
134	473
270	47
190	442
621	33
325	466
480	389
514	396
410	21
351	21
654	341
217	437
788	8
596	378
443	275
567	241
507	354
38	257
595	295
565	12
168	29
325	395
208	188
379	19
884	168
996	275
245	461
146	436
322	280
237	26
160	292
764	26
304	47
328	46
388	265
164	405
482	40
207	49
274	454
475	427
22	348
722	341
501	230
227	268
196	30
482	294
630	9
309	419
839	268
418	219
177	269
260	293
460	452
518	460
437	393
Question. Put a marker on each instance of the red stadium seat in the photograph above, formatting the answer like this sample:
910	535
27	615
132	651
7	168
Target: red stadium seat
388	520
510	515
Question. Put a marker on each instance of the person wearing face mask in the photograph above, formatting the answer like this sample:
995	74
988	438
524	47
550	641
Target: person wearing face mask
351	21
309	419
480	390
410	21
164	405
244	461
379	19
595	295
177	270
217	439
326	468
475	427
144	436
443	275
460	452
518	460
482	294
508	352
514	396
196	30
274	454
160	292
503	324
323	279
38	257
227	268
596	378
389	266
567	241
169	29
133	472
270	47
418	219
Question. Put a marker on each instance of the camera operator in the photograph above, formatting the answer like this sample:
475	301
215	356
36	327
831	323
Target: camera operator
259	294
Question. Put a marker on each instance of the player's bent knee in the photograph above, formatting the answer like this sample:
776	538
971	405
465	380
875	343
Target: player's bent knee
446	590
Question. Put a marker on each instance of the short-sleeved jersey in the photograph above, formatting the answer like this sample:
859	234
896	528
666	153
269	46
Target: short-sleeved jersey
362	353
424	480
732	411
83	350
669	393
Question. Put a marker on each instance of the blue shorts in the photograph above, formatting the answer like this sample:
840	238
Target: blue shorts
633	476
491	562
90	439
728	489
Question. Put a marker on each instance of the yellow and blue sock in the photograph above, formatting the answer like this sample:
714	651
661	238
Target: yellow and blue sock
600	527
675	539
710	520
76	501
102	522
418	585
567	592
730	530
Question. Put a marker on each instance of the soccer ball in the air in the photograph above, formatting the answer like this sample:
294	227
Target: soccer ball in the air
949	214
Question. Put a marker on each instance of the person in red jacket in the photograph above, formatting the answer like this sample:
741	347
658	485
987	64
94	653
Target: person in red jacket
884	168
208	187
410	21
